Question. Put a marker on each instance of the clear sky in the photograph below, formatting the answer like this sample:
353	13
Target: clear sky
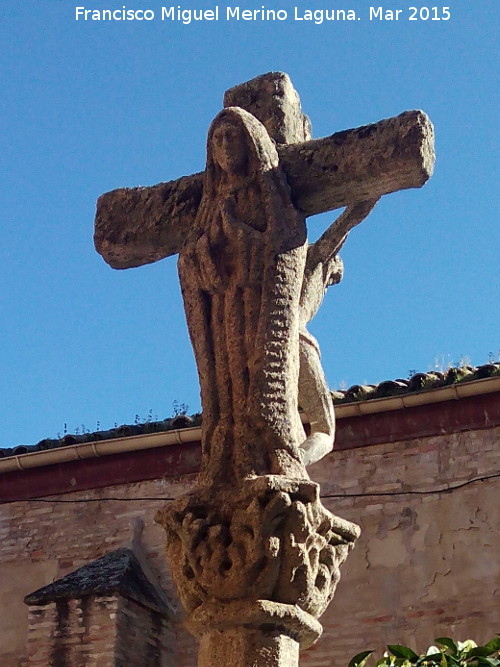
90	106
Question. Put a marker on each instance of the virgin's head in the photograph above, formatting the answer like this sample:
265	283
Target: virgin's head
229	149
238	146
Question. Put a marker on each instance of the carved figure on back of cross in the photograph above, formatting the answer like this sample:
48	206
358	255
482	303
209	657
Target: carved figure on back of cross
323	268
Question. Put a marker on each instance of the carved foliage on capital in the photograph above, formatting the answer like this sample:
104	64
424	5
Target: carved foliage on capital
273	541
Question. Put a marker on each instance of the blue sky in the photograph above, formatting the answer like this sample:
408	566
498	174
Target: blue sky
87	107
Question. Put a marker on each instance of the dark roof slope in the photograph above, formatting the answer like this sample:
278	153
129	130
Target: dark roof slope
116	572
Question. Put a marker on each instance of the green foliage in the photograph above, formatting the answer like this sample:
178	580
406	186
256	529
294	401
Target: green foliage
447	653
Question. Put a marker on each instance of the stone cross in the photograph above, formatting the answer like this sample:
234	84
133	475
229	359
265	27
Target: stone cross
254	554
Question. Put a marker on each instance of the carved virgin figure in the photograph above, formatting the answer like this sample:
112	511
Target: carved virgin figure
241	272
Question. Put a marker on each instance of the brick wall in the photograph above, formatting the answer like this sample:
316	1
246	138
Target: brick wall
98	631
144	637
425	566
73	633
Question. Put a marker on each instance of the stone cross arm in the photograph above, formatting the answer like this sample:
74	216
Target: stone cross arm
136	226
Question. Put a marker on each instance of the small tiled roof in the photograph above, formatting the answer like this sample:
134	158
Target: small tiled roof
417	383
116	572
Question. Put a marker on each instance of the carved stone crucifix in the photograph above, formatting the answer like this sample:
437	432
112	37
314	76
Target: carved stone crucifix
254	554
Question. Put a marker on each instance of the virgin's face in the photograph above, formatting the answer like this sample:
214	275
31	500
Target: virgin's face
229	148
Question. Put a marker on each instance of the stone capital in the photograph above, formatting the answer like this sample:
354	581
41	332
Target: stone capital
270	540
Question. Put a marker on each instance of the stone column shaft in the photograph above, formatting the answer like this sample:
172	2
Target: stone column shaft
248	647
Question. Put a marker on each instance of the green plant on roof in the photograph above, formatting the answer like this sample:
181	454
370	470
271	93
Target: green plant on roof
180	409
447	653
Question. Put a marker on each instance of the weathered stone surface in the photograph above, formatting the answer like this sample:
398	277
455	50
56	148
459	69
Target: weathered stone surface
256	647
261	614
254	535
257	566
272	637
136	226
269	540
251	532
360	164
323	268
241	271
273	100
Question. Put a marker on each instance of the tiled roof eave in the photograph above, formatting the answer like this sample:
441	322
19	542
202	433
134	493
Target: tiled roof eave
413	399
100	448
